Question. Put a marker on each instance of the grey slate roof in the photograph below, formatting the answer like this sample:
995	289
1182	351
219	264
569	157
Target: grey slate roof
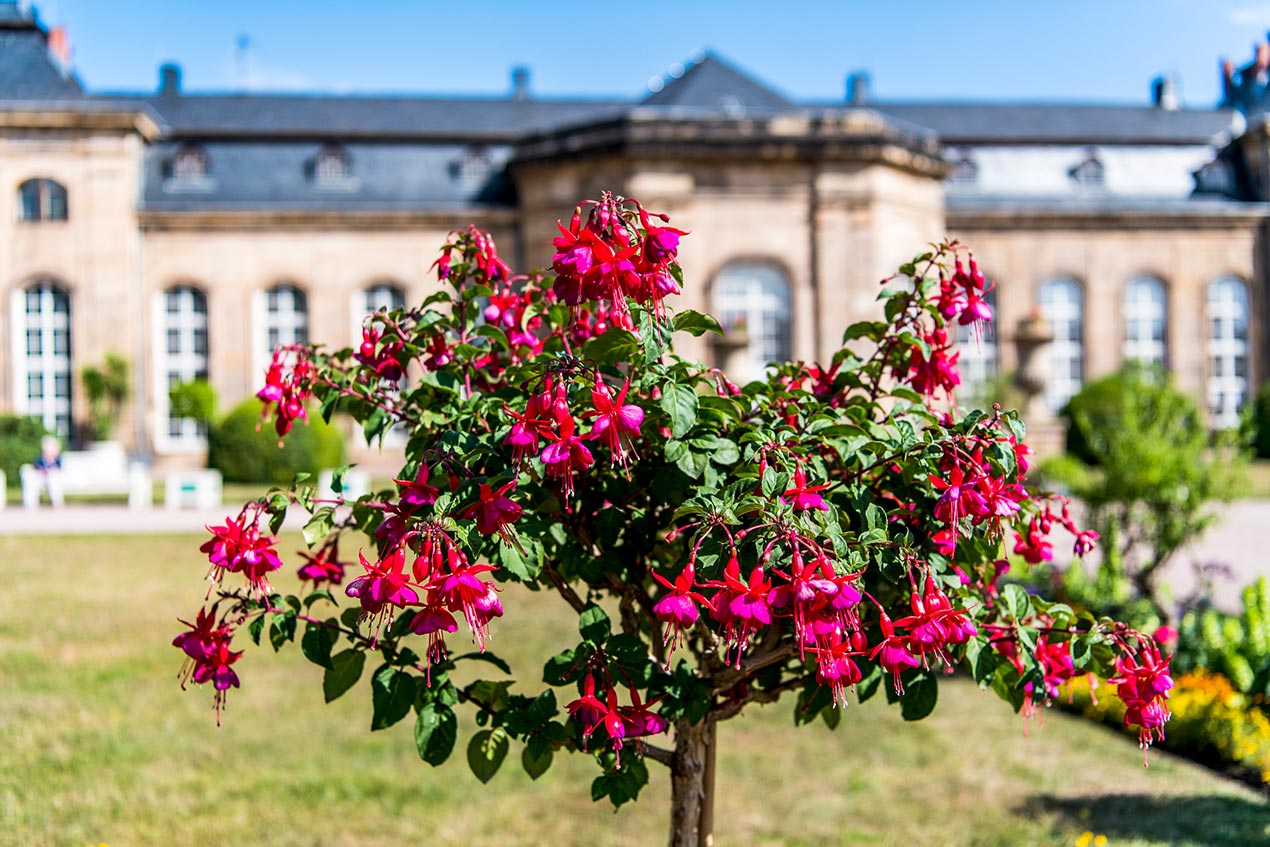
26	73
279	175
315	116
1064	123
712	85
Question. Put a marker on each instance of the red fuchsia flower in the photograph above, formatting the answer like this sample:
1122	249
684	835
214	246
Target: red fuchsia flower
494	512
678	610
893	652
1001	499
416	492
1035	546
835	668
804	497
323	566
743	608
566	455
820	602
945	541
1165	635
638	721
1143	684
935	625
239	547
287	387
385	585
588	710
1056	663
437	352
434	621
1086	541
661	243
382	357
960	498
617	423
208	658
462	590
936	372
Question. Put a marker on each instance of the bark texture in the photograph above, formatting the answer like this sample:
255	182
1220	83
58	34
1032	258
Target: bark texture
692	785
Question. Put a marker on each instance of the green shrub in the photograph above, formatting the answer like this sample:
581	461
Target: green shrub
1261	419
19	444
108	388
243	454
195	400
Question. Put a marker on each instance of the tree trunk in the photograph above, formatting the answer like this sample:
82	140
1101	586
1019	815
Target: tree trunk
692	785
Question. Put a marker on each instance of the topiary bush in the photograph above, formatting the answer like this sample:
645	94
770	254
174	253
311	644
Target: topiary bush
1262	421
243	451
19	443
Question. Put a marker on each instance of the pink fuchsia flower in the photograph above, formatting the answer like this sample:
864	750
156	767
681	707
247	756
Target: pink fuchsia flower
678	610
960	499
462	590
494	512
836	669
1086	540
238	546
382	357
661	243
417	492
617	423
929	374
1143	684
804	497
893	653
588	709
1034	545
287	388
385	585
566	455
323	566
208	657
742	607
434	621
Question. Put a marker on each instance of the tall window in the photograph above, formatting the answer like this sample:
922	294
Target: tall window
1227	350
188	169
1146	321
752	301
382	295
1063	305
42	355
284	320
182	356
41	200
978	360
332	167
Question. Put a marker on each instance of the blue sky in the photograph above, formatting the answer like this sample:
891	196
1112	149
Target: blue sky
1082	50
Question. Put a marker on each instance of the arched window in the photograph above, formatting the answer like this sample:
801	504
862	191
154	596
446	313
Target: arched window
189	168
332	167
1089	172
978	360
382	295
42	355
41	200
1063	305
1227	350
283	319
181	356
472	168
1146	321
752	301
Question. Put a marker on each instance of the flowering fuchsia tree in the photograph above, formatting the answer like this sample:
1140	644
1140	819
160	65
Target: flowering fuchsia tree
827	528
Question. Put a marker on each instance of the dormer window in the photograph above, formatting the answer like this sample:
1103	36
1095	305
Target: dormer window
1215	177
1089	173
333	168
188	169
41	200
965	170
472	168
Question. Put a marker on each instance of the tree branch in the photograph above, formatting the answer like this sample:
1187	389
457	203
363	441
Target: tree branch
566	590
732	708
659	754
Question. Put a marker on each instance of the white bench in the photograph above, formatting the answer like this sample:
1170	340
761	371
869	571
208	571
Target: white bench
193	489
102	469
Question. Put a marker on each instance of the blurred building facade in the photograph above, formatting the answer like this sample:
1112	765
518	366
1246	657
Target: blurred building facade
193	232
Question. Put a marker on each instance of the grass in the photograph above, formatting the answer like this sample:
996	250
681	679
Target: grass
101	745
1259	480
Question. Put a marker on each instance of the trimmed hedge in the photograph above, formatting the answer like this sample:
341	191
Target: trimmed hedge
1262	422
19	444
244	450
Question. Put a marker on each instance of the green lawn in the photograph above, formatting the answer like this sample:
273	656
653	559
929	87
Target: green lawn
100	745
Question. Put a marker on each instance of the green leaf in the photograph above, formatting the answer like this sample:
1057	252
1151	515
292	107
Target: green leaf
393	693
486	751
537	756
319	526
435	732
524	566
345	670
321	594
558	667
281	629
484	657
920	696
612	347
680	403
594	624
1016	602
255	628
696	323
317	643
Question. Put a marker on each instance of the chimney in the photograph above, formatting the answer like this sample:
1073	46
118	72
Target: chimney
1165	93
169	80
520	83
858	87
59	47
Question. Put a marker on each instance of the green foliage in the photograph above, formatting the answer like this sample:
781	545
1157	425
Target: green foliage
1234	645
107	388
195	400
19	444
1261	421
244	453
1152	473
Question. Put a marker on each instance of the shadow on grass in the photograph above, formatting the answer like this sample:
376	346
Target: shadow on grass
1199	821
